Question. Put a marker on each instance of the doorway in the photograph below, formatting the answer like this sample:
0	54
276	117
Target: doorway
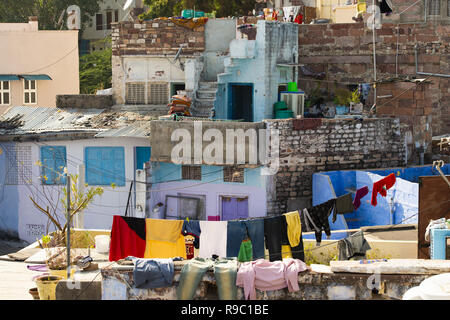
241	102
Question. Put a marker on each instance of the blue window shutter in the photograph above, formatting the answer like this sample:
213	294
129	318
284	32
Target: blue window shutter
142	156
105	165
54	160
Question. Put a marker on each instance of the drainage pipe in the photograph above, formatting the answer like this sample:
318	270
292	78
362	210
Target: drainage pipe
426	73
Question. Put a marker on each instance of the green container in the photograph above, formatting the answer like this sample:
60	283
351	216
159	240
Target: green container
292	87
199	14
187	14
280	105
284	114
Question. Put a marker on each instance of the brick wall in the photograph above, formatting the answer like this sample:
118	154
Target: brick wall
345	53
153	37
337	144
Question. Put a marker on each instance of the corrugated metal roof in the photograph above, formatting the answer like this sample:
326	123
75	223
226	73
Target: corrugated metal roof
137	130
43	119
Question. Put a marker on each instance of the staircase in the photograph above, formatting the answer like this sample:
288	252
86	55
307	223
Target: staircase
204	100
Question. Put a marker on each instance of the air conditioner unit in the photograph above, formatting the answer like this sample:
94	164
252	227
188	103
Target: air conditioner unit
295	101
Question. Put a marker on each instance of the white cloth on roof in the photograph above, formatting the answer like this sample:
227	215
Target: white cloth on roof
213	239
291	11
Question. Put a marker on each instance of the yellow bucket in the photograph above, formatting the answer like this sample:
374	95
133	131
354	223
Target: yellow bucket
62	273
47	287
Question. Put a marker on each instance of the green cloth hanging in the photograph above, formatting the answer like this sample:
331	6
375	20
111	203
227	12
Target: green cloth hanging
246	251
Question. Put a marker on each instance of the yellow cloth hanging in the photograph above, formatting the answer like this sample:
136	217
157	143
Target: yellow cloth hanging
164	239
286	251
294	228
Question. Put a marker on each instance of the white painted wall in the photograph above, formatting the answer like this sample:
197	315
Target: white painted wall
14	200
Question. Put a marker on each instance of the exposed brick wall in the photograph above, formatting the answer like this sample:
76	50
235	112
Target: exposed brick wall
337	144
345	53
155	37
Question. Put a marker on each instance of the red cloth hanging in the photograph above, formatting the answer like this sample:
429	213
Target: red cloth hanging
382	186
127	238
299	19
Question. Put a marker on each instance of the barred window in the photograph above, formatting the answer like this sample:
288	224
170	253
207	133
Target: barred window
135	93
191	172
434	7
233	174
158	93
18	165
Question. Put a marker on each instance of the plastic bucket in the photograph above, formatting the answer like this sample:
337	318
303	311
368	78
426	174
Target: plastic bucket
47	287
102	243
280	105
292	87
284	114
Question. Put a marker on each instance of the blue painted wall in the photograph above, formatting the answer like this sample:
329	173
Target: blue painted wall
9	197
167	172
400	205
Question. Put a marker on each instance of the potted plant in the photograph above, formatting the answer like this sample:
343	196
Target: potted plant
342	100
355	102
55	243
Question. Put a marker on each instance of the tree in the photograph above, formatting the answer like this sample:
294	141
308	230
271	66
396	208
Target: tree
47	11
222	8
95	71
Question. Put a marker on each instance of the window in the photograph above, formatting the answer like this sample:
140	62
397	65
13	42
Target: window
54	160
434	7
29	92
233	174
191	172
116	16
135	93
439	8
105	166
18	165
99	21
158	93
147	93
175	87
4	93
108	20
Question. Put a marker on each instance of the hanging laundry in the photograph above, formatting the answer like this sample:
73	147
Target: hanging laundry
294	228
267	276
353	247
295	247
213	239
237	231
152	273
344	204
225	272
164	239
360	193
290	13
273	237
319	216
128	238
192	228
382	186
245	251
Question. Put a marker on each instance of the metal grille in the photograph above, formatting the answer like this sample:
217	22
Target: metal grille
191	173
18	166
158	93
135	93
233	174
434	7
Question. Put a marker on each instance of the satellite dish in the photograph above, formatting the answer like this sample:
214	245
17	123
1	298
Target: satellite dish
127	4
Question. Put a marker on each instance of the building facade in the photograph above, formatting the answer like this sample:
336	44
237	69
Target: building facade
37	66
